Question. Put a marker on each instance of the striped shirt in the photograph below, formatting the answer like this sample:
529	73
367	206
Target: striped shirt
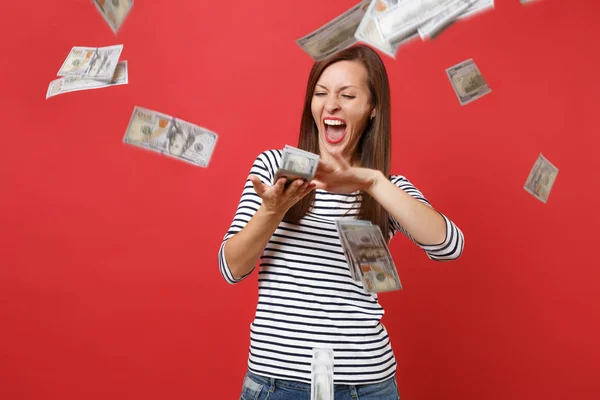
306	296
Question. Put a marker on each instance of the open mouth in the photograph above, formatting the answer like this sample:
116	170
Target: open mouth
335	129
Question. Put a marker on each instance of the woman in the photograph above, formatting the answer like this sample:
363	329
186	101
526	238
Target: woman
307	298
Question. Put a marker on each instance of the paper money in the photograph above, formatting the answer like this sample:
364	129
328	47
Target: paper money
467	81
342	226
114	11
541	178
435	25
370	256
97	63
368	29
477	7
297	164
321	378
334	36
74	83
403	21
175	138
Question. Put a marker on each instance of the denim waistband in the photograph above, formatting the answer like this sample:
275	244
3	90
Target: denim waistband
296	385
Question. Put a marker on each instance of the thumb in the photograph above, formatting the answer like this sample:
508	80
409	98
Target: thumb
259	187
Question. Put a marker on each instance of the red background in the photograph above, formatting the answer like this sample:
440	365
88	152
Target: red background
109	284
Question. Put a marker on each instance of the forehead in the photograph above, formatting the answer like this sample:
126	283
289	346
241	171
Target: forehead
344	73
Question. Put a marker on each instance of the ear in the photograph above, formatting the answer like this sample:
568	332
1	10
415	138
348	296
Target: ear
373	112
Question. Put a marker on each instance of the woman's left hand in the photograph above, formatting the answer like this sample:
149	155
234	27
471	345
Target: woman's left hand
341	177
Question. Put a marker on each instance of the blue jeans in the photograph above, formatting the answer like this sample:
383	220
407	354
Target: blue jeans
258	387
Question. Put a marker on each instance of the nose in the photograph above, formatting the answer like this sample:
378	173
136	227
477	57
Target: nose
332	104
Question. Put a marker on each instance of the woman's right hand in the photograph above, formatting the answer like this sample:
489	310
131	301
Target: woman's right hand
278	199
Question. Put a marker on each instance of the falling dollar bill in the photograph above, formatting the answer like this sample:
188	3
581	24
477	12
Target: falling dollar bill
297	164
342	226
403	21
334	36
477	7
175	138
467	81
114	11
74	83
435	25
370	256
321	377
368	30
97	63
541	178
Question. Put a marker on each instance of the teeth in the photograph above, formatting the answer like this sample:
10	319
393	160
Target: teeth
333	122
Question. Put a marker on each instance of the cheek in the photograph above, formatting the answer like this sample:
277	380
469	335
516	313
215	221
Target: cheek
316	108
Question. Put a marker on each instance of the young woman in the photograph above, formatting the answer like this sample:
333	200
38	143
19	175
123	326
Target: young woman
307	298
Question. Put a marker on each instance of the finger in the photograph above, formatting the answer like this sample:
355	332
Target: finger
306	189
279	186
259	187
294	186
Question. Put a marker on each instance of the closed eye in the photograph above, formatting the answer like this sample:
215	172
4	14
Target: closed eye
318	94
348	96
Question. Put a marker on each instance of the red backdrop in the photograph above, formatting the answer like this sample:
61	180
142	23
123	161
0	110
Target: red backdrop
109	284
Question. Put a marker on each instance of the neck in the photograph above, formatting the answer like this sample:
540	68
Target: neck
327	157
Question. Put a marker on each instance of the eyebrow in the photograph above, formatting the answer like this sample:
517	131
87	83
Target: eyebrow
342	88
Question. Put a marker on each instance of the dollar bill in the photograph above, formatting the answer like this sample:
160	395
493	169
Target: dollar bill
403	21
297	164
114	11
541	179
342	226
443	19
74	83
467	81
334	36
98	63
152	130
321	377
365	246
477	7
368	30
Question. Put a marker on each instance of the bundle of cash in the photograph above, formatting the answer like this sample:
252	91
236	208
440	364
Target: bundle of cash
74	83
98	63
114	11
467	81
368	255
541	178
334	36
175	138
321	378
297	164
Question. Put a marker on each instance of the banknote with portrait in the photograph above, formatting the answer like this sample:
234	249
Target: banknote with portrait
541	179
164	134
467	81
370	256
114	12
74	83
98	63
335	35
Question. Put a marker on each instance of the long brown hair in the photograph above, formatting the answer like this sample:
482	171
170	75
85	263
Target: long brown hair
374	147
